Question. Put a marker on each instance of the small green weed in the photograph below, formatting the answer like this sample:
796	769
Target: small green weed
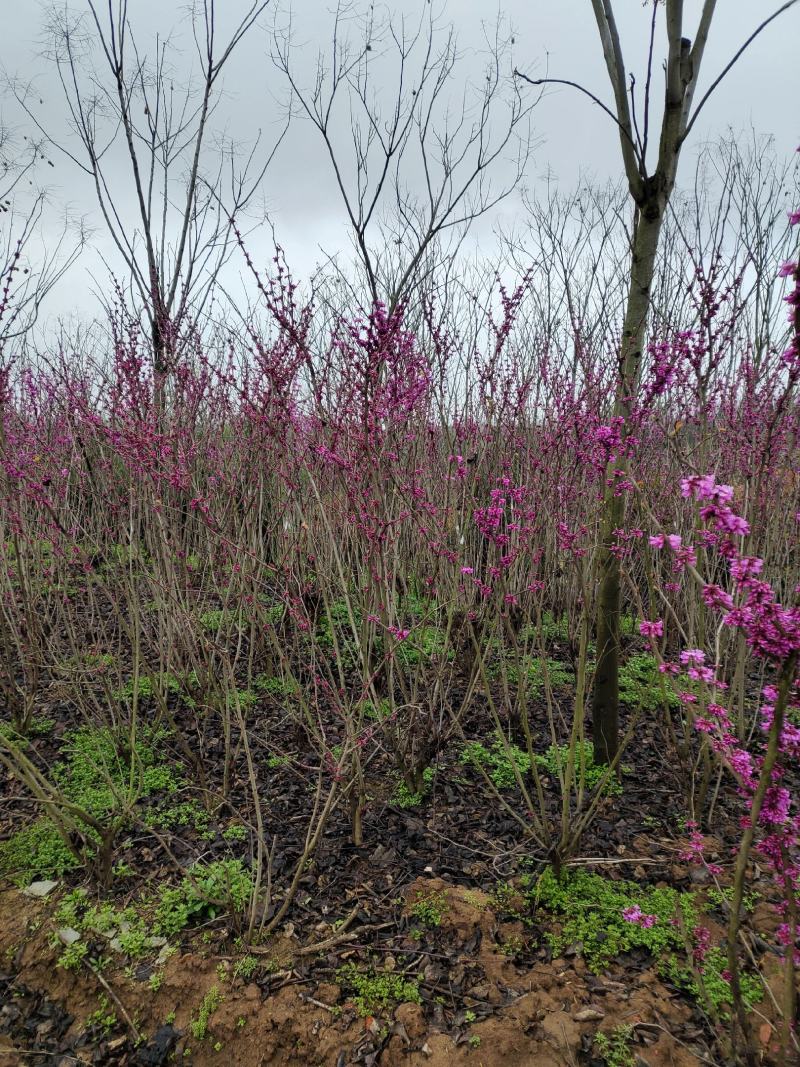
716	988
379	713
429	908
277	687
245	968
275	762
211	1001
559	675
721	898
75	910
553	629
403	797
615	1048
218	618
208	891
73	956
499	761
104	1019
513	946
166	685
377	991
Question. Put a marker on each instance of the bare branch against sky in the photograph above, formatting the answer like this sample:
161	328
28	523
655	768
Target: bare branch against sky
571	137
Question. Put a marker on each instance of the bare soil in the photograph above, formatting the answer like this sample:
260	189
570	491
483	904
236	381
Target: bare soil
546	1013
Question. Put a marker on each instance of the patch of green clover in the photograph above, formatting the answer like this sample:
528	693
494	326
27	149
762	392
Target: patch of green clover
277	687
559	674
499	761
36	851
429	908
97	772
417	607
379	713
208	890
274	609
553	628
38	726
168	684
99	768
218	618
590	912
245	968
374	992
123	554
421	645
335	616
76	911
555	759
713	987
642	685
96	661
245	698
186	813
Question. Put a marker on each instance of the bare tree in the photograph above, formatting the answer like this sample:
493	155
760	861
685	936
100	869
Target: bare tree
25	276
411	171
120	98
650	191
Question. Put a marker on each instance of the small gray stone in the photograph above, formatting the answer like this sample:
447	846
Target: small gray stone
68	936
39	889
156	942
589	1015
164	954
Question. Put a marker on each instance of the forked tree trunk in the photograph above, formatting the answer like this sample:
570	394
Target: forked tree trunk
650	193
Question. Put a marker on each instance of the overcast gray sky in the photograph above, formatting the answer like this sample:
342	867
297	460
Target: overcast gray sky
556	36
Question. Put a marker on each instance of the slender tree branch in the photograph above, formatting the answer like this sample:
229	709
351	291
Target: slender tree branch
582	89
729	66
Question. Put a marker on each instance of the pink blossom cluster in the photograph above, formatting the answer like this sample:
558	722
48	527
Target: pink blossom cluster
635	915
772	632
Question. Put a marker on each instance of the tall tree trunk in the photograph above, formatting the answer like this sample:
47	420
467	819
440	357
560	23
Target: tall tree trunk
605	706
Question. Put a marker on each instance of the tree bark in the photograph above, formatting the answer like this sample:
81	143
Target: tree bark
605	705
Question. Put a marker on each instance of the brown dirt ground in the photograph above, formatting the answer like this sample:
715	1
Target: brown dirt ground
525	1016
